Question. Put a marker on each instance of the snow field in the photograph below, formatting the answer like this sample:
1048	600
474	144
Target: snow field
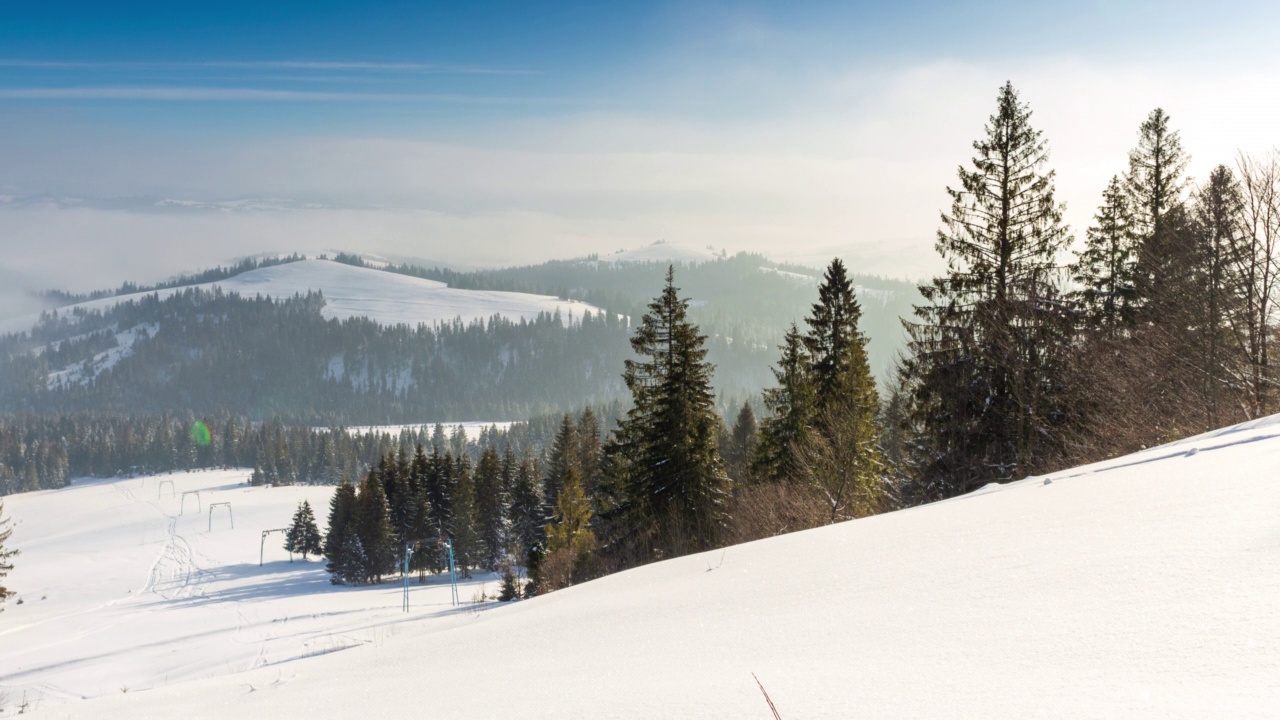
122	591
350	291
1143	587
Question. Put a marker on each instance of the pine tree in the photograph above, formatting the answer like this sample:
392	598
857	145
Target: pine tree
1106	269
1156	184
303	537
570	540
741	446
524	514
671	487
373	528
847	401
5	554
337	543
466	531
1219	207
988	347
490	502
562	460
792	406
589	455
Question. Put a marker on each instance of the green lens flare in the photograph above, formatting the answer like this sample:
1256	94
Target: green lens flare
200	434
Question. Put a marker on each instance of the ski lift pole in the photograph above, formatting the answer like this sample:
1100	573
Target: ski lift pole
408	553
453	573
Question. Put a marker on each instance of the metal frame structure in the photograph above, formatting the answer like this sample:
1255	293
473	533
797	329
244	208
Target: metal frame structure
160	489
262	546
409	548
199	502
230	514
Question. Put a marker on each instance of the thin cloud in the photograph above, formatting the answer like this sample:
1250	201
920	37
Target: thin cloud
250	94
392	67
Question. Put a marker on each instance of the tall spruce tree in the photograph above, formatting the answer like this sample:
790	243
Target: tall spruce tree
846	402
562	459
671	486
1156	185
1219	206
6	554
491	525
1106	269
373	528
988	347
466	530
524	515
792	407
343	568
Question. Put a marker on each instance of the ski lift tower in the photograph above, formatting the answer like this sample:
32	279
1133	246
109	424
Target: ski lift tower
410	547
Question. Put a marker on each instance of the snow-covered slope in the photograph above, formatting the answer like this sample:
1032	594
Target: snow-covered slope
355	292
1143	587
663	252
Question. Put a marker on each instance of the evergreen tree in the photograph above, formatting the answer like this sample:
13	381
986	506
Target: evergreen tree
303	537
524	515
1106	269
671	487
489	508
791	406
988	348
562	460
570	540
1219	207
373	528
741	445
344	568
466	531
6	555
589	455
1155	185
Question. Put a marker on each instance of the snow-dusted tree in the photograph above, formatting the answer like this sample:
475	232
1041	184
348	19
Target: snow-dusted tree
6	554
1259	275
490	502
303	537
373	528
344	569
988	347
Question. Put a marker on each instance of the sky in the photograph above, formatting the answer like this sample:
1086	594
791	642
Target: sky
140	140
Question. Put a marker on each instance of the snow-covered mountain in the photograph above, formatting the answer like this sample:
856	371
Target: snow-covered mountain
351	291
1142	587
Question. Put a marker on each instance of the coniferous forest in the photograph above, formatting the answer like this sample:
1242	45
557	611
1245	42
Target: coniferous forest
1040	347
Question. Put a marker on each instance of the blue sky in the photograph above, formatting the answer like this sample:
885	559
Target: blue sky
483	132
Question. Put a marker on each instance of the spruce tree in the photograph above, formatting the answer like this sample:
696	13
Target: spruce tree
741	445
466	531
337	543
988	348
1219	206
1156	184
373	528
562	460
570	540
791	406
671	487
490	503
1106	269
524	514
303	537
6	555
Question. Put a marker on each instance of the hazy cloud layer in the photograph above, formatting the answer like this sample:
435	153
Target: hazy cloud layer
852	160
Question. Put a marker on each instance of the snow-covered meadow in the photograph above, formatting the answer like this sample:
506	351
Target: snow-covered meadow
1142	587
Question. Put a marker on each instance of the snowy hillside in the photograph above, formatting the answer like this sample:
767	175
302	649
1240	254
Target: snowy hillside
352	291
663	252
1143	587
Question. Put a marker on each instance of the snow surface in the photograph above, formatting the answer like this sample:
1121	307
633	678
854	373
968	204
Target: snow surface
350	291
663	252
1142	587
